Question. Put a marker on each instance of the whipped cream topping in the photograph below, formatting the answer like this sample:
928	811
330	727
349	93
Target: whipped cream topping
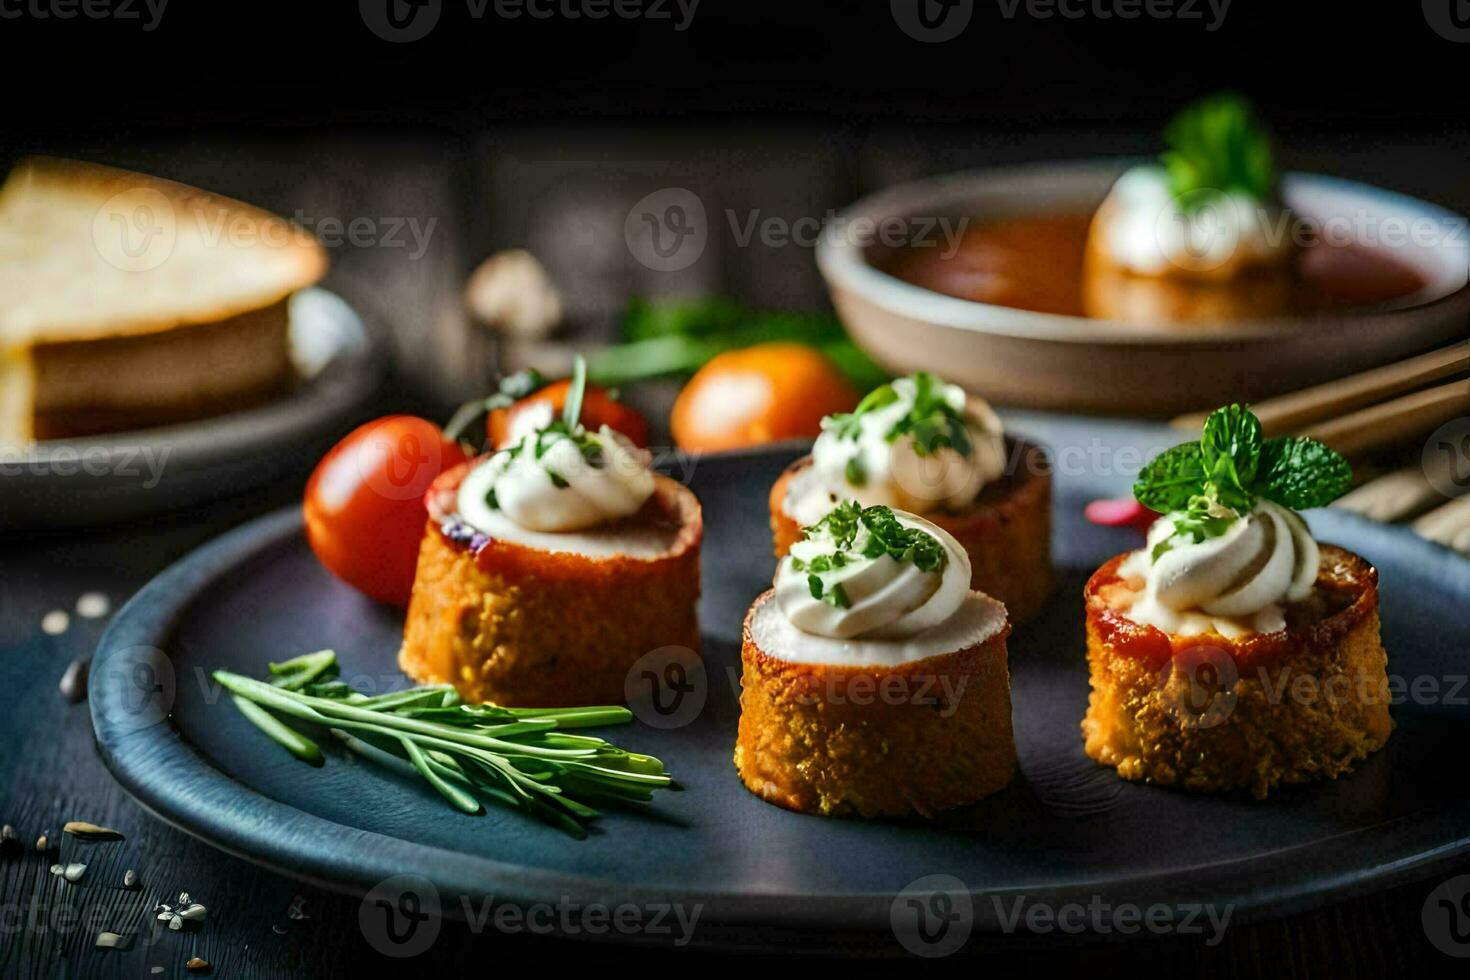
845	582
889	470
1234	584
978	618
553	481
1141	227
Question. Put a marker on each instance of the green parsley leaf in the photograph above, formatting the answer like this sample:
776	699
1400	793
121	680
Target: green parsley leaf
1217	144
557	480
857	474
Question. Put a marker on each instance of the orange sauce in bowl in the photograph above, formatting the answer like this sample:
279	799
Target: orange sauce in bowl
1038	263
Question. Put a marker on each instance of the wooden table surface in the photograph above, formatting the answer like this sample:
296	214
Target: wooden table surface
487	192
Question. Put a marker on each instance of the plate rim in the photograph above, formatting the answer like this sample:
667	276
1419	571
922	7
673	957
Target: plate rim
235	818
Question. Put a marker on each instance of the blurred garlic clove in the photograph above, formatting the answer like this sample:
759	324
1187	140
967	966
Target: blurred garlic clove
511	294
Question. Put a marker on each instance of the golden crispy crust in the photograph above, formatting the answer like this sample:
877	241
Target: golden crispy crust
520	626
1007	531
1210	713
917	738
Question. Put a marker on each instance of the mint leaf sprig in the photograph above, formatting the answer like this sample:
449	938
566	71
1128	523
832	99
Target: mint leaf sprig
1210	483
1217	144
846	525
524	758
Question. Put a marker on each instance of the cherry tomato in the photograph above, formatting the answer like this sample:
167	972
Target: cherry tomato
760	394
364	503
598	409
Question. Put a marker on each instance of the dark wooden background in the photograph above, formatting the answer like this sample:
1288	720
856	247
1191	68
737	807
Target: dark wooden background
542	135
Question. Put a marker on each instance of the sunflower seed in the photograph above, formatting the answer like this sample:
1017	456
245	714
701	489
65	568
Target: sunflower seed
111	940
90	831
193	913
176	922
8	841
74	872
57	869
197	965
73	684
130	879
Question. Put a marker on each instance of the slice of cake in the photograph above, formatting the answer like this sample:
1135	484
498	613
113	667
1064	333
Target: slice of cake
127	301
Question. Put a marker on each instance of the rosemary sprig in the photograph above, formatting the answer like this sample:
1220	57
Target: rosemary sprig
520	757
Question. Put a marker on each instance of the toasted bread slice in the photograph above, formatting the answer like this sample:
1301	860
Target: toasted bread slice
127	300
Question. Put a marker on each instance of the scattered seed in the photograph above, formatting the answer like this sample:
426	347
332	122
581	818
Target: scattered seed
73	685
74	872
8	841
278	929
90	831
155	969
176	922
57	869
197	965
111	940
193	913
55	622
43	843
130	879
297	911
92	605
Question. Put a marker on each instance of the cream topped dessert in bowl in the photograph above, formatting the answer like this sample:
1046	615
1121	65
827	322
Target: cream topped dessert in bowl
874	678
924	446
550	566
1234	651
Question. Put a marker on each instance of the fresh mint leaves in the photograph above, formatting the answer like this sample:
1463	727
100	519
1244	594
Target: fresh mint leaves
1218	145
1211	482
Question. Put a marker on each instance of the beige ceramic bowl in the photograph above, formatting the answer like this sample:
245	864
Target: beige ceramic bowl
1041	360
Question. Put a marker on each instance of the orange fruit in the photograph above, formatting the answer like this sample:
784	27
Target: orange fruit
757	395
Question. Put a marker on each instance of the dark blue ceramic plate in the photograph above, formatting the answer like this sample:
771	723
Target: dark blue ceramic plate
1067	830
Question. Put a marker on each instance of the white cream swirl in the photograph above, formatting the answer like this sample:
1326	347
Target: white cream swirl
893	473
550	481
1234	584
1141	227
880	597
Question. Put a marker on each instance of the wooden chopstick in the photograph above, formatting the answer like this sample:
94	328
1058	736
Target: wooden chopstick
1394	421
1449	525
1289	413
1392	497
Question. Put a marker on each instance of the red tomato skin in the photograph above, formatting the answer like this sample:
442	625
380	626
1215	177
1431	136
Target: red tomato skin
364	503
598	409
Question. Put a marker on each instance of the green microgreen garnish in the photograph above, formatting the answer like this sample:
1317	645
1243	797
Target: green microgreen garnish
932	422
571	410
1217	144
519	757
1209	483
859	532
512	388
